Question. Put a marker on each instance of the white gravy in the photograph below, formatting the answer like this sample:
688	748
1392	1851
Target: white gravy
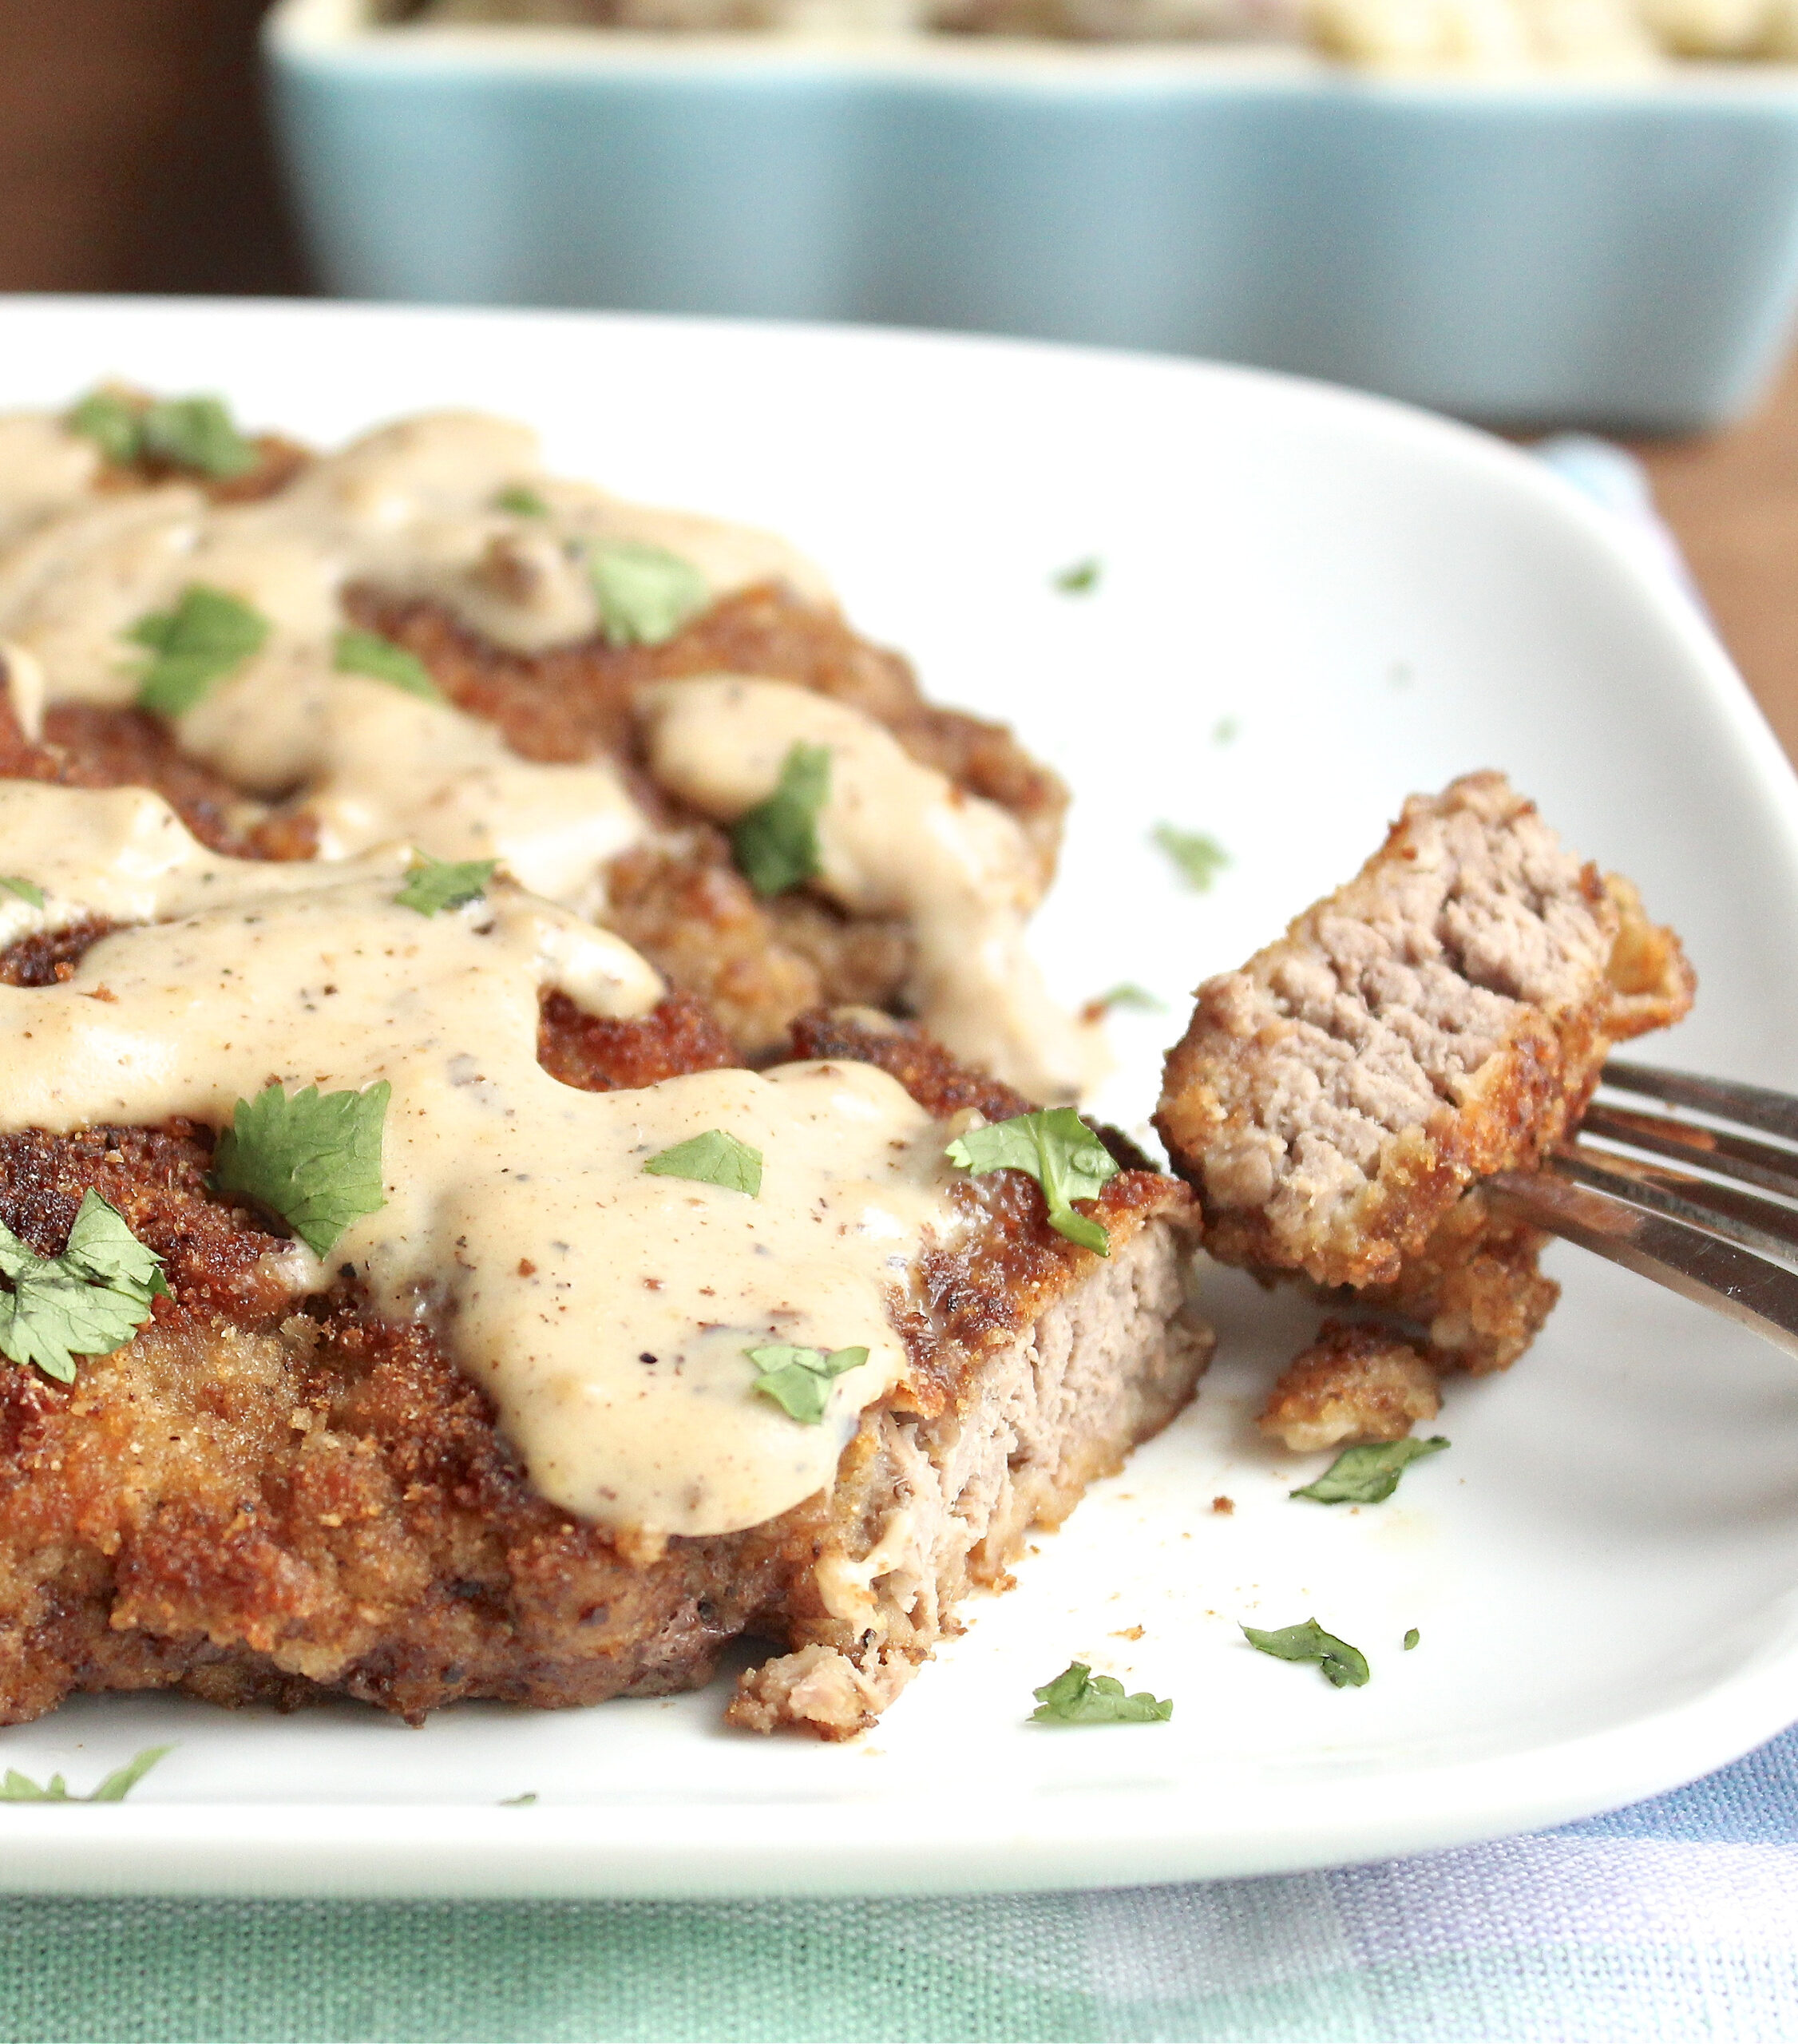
412	508
606	1312
895	838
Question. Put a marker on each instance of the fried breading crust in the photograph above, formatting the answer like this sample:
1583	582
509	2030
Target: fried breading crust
1356	1381
86	746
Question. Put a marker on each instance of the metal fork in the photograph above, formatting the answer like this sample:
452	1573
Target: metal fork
1700	1235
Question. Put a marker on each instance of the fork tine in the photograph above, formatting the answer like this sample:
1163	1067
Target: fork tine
1699	1266
1718	1150
1755	1107
1739	1216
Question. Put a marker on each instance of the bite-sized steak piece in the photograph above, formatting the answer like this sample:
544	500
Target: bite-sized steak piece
261	1500
1443	1017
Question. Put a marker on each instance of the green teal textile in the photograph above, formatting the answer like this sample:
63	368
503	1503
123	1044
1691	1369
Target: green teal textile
1677	1919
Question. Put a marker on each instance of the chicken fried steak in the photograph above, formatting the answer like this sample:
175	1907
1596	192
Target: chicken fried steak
529	1333
1337	1103
406	1468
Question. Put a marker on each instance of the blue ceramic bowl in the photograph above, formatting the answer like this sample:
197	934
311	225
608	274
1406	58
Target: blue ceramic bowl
1616	254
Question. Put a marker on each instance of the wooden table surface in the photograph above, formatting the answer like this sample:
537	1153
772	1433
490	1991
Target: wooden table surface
1733	501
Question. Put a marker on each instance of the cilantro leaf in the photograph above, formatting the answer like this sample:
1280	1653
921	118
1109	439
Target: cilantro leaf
16	1788
645	593
102	1249
1081	579
312	1158
1197	858
206	636
27	890
112	422
367	652
1367	1474
714	1158
1343	1667
195	433
521	500
434	883
775	844
799	1379
518	1802
1060	1152
87	1301
1412	1638
1127	994
49	1318
1079	1697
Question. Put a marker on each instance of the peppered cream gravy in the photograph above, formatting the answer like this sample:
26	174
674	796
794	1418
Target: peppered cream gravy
606	1311
420	508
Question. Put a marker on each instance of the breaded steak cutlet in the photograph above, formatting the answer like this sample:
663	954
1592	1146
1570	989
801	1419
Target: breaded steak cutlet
1337	1103
460	727
254	1502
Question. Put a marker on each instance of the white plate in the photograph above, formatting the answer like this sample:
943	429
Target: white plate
1602	1570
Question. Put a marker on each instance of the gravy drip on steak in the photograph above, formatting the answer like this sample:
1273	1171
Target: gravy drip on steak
895	838
605	1312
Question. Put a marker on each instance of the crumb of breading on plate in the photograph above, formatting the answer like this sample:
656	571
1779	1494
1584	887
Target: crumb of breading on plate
1356	1382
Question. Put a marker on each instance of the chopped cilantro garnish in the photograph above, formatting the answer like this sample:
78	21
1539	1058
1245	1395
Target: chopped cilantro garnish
434	883
206	635
112	422
16	1788
195	432
1343	1667
518	1802
87	1302
1224	732
1412	1638
524	502
775	844
102	1249
1197	858
1080	579
182	433
1079	1697
645	593
27	890
313	1160
367	652
799	1379
715	1158
1060	1152
1367	1474
1128	995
